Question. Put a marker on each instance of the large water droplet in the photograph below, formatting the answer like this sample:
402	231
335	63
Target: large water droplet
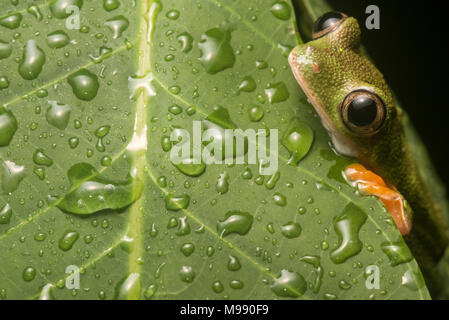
5	214
84	84
110	5
397	252
347	226
129	288
187	274
67	240
186	40
234	263
40	158
117	25
235	222
8	126
277	92
247	85
281	10
11	175
413	280
177	202
5	49
289	284
191	169
91	193
216	51
291	230
29	273
33	61
298	139
57	39
222	185
12	21
61	8
58	115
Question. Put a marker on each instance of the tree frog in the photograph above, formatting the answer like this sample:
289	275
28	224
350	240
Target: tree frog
357	109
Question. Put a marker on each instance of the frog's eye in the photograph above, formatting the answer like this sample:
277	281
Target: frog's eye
362	112
327	23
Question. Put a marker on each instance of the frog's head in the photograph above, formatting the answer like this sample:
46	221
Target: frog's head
348	92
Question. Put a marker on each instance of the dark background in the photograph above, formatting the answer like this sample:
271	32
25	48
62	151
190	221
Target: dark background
409	50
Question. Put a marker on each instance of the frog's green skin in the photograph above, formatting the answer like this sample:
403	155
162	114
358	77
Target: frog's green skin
327	69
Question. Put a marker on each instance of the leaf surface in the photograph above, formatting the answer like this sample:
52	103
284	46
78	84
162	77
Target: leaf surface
87	179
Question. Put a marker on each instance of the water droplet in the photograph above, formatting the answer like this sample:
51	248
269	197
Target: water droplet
255	113
33	61
236	284
234	263
110	5
94	193
11	175
59	8
128	288
281	10
189	168
222	185
291	230
289	284
47	292
184	227
413	280
176	203
186	41
150	291
187	249
12	21
347	226
216	51
117	25
57	39
40	158
84	84
280	199
58	115
175	109
235	222
247	85
5	49
67	240
397	252
8	126
187	274
277	92
173	14
5	214
35	11
298	139
29	273
74	142
217	286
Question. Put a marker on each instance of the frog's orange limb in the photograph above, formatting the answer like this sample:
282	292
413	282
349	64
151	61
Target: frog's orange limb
370	183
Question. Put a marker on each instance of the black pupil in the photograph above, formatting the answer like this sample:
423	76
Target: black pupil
362	111
326	20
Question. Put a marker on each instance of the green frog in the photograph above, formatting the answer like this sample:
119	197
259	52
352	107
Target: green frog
357	109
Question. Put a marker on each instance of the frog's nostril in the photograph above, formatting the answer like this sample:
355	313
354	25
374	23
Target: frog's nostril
327	23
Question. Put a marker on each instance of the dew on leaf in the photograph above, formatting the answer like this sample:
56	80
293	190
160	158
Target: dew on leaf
58	115
298	139
11	176
347	226
11	21
397	252
33	61
57	39
40	158
29	273
291	230
91	193
247	84
233	263
84	84
8	126
62	9
117	25
110	5
216	51
176	202
67	240
5	214
187	274
289	284
277	92
235	222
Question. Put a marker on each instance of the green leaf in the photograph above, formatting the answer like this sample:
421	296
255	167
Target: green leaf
102	194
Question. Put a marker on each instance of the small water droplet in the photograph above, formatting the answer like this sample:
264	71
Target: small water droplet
289	284
57	39
67	240
32	62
